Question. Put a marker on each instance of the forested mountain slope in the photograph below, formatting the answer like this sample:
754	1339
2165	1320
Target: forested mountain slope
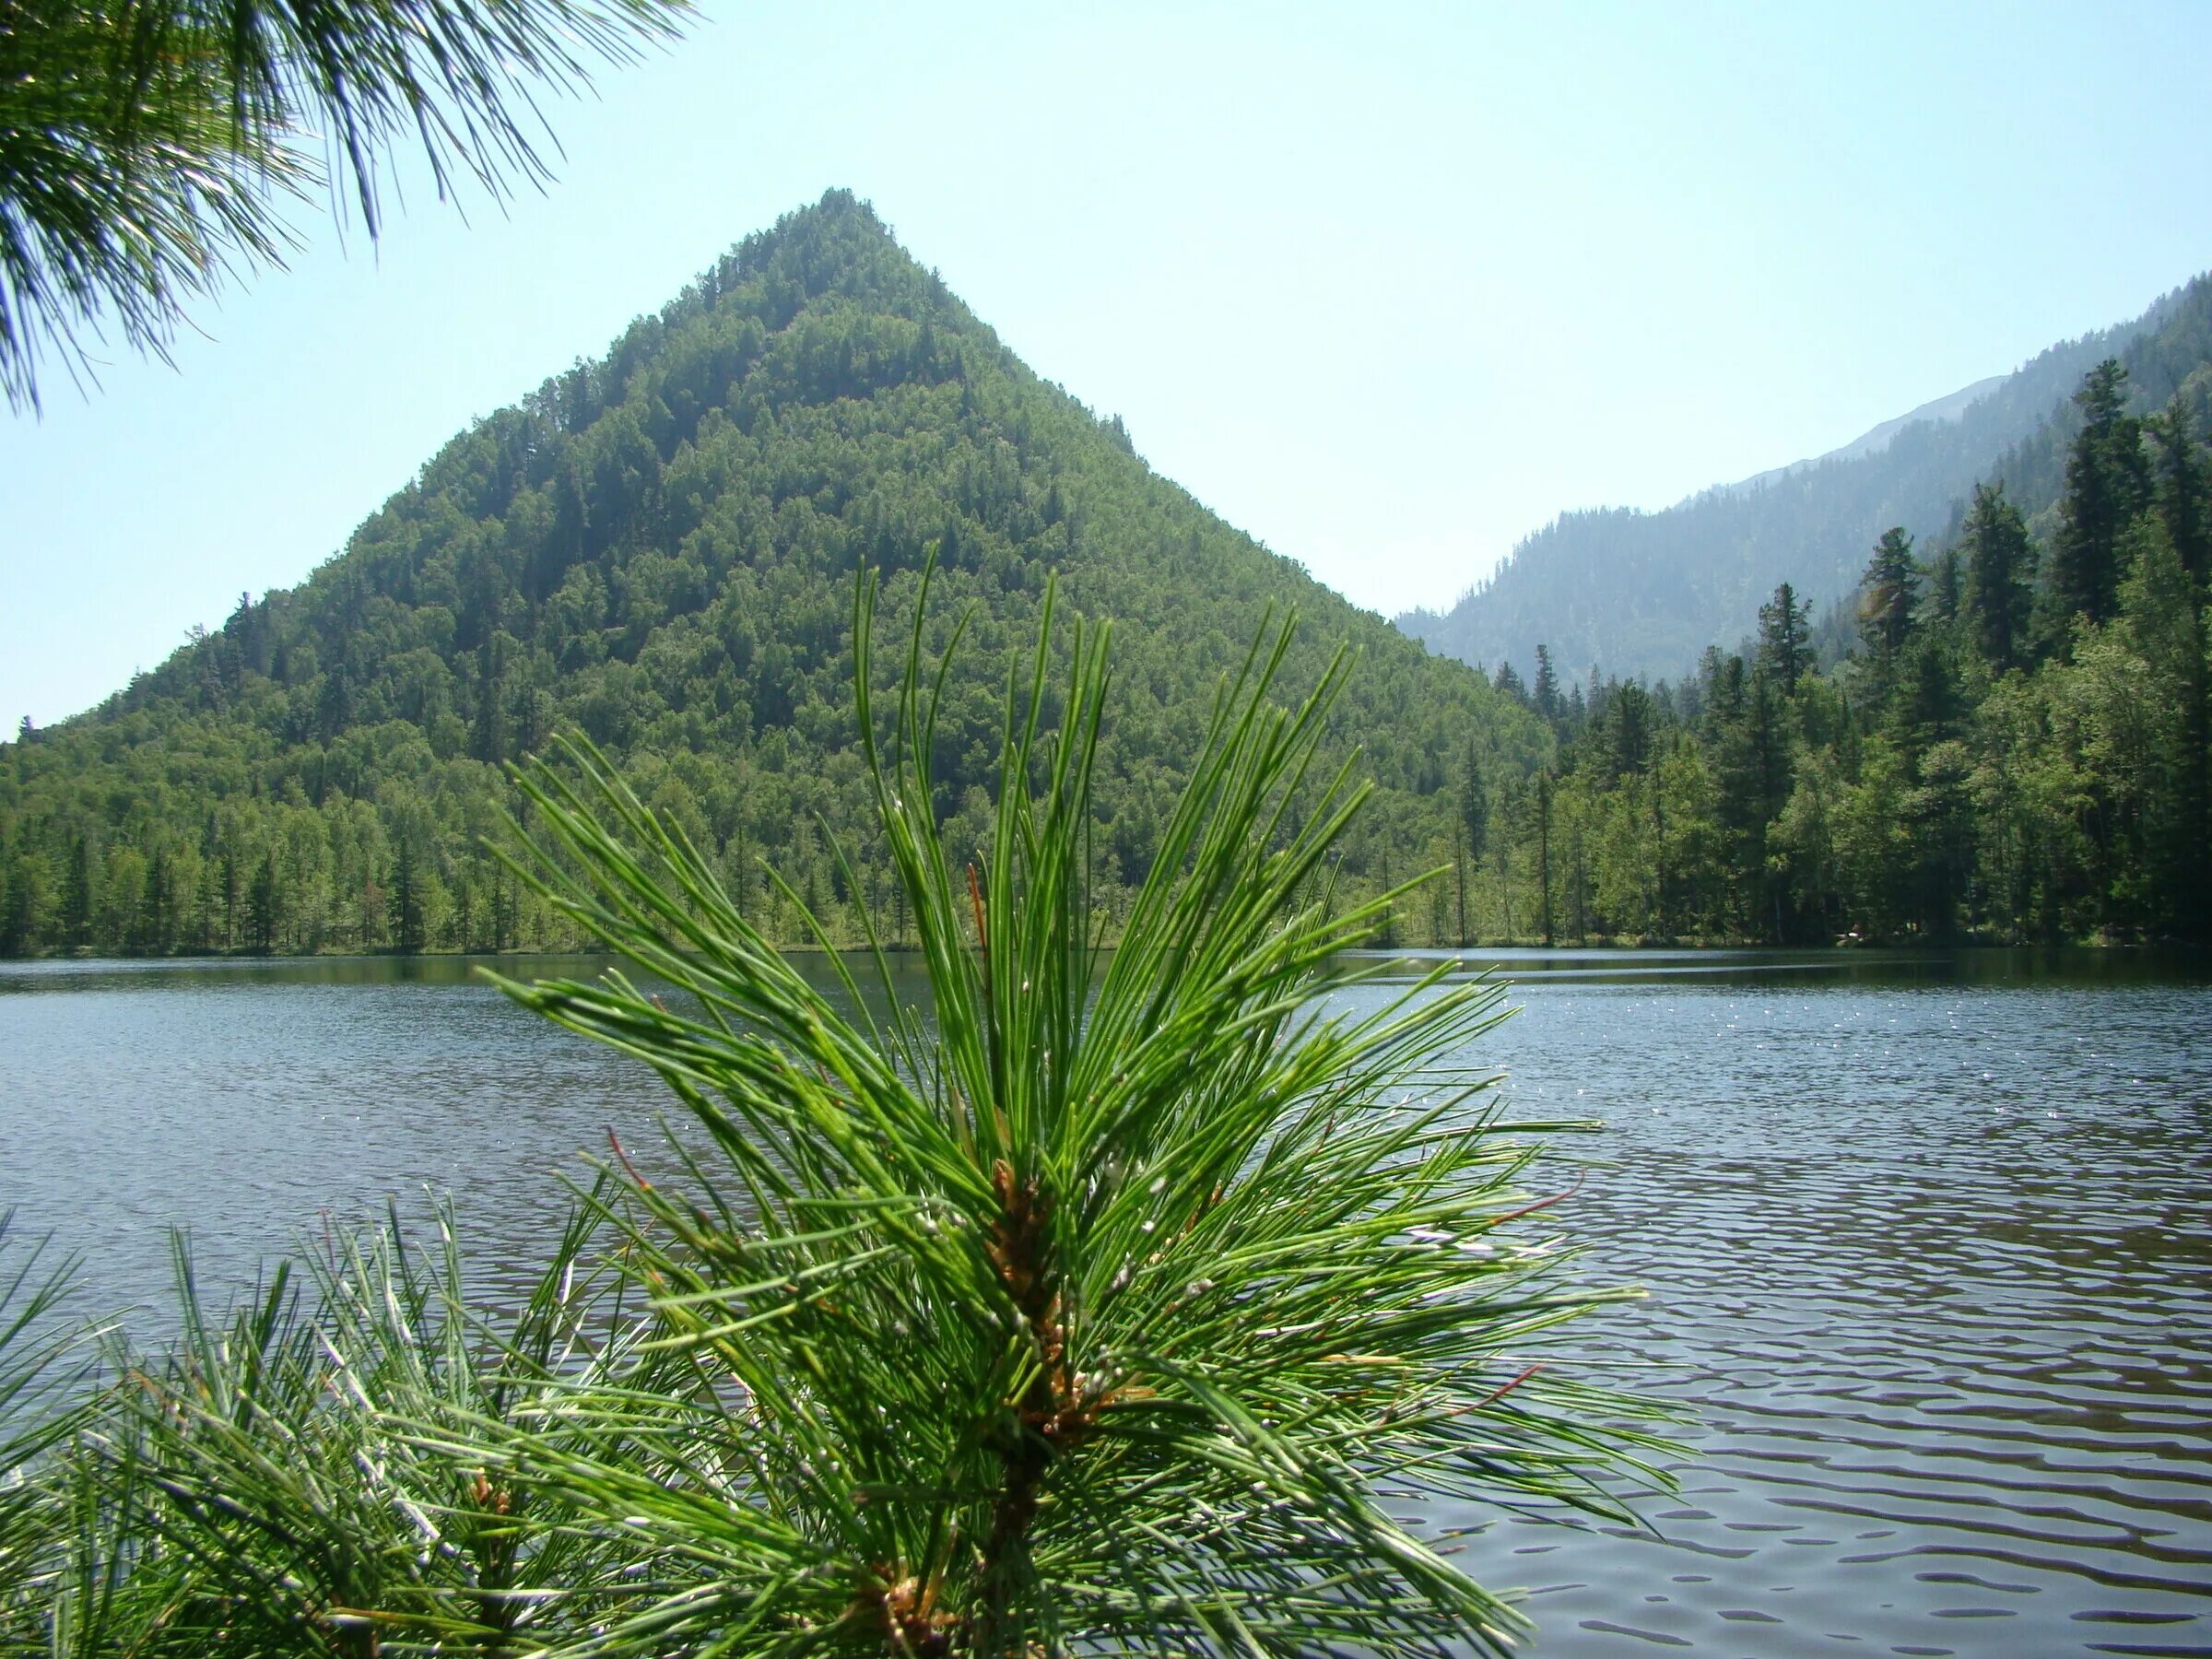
2015	745
659	548
1643	593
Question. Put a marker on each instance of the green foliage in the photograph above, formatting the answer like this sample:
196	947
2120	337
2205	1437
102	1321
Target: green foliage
1963	775
2108	483
2000	572
1641	593
1888	597
1785	641
150	148
655	548
274	1482
1117	1302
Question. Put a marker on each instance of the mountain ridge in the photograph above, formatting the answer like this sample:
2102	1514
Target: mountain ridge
1635	592
1939	411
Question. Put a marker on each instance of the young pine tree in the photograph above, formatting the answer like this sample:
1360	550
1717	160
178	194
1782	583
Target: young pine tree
1092	1307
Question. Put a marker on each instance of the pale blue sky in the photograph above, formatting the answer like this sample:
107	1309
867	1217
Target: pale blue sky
1387	291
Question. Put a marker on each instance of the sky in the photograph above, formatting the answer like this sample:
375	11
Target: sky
1387	287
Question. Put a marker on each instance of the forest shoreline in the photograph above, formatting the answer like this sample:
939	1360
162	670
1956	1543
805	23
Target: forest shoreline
1909	945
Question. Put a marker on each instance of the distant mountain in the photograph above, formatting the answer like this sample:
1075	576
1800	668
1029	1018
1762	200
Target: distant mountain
658	549
1941	411
1635	592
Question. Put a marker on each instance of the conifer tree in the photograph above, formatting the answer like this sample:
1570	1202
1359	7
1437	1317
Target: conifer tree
1542	808
1630	707
264	900
406	901
150	148
76	894
1889	593
1546	691
2182	489
1474	806
1474	816
2163	626
2107	484
2000	562
1946	588
1785	642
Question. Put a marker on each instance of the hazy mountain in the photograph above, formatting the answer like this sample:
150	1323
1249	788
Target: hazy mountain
1637	593
1941	411
658	547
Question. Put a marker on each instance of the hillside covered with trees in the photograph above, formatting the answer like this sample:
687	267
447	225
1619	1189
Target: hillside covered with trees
2013	748
658	549
1643	593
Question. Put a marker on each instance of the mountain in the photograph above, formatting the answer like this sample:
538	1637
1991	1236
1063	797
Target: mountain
1636	593
658	549
1940	411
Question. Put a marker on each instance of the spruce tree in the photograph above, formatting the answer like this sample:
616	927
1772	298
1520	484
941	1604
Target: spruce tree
407	919
1785	642
2162	625
1946	585
77	895
1631	722
1543	806
1474	804
2000	564
2108	483
1546	691
1889	593
2182	489
265	902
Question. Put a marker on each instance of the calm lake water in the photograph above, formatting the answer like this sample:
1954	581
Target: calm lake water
1929	1239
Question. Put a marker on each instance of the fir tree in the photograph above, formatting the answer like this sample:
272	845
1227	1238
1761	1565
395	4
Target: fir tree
405	898
1945	582
1474	827
1545	693
2182	489
77	895
1888	593
2107	485
1543	805
1785	641
1632	719
2000	563
264	900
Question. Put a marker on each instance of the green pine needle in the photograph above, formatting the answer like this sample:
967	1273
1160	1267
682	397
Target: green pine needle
1090	1307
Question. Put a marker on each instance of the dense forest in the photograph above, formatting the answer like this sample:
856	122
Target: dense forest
2015	747
658	549
1643	593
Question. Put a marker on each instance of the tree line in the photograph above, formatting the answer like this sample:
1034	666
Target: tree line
1644	592
2013	747
657	549
2003	740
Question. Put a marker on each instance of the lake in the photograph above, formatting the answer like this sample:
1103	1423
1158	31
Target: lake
1929	1240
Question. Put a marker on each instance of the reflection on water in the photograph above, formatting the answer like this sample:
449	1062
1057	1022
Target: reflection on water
1927	1238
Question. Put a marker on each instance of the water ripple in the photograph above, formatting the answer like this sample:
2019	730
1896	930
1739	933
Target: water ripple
1930	1243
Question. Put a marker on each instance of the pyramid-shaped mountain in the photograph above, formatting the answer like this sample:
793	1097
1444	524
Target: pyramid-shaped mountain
658	549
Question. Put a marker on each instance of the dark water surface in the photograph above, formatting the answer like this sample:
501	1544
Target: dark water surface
1929	1242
